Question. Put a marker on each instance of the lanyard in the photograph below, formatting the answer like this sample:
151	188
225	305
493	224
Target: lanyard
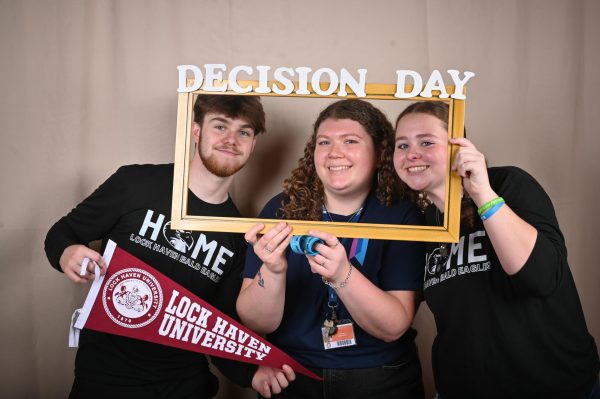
332	298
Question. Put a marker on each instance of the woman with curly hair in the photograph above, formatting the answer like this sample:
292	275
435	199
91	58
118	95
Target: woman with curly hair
346	311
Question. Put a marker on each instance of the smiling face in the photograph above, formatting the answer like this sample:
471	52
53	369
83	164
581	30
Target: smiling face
224	143
421	151
345	158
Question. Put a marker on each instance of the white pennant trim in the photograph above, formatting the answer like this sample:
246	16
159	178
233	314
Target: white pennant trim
80	316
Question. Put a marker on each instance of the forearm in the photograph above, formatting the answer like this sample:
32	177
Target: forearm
383	314
237	372
90	220
261	301
59	237
512	237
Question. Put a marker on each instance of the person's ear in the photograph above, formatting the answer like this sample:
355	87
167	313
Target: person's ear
196	131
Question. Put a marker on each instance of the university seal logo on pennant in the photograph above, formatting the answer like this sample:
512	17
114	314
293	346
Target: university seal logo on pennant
129	301
132	298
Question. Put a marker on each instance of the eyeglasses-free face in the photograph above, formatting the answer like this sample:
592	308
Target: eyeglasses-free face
420	155
345	158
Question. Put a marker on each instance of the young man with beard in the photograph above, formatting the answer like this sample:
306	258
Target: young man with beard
132	208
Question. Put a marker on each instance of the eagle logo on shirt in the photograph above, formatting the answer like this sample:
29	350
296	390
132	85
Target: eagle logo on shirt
181	240
436	259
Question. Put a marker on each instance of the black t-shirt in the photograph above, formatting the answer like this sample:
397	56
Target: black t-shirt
133	208
501	336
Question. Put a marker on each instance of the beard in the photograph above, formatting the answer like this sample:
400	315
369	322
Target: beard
217	167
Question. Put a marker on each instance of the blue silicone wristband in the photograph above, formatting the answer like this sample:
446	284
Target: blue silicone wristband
490	212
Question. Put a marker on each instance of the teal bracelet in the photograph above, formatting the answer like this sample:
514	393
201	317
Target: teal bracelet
489	204
490	212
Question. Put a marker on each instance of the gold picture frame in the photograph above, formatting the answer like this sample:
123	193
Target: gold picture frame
448	232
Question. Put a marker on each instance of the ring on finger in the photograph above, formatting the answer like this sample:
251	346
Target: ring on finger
268	250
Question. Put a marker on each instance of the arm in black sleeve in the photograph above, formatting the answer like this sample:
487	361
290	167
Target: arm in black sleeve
91	220
544	270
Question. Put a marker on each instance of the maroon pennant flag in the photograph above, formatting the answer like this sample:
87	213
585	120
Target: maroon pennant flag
134	300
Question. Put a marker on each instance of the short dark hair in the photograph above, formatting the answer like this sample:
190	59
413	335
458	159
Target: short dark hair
233	106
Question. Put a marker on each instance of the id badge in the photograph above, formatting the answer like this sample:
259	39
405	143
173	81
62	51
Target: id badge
343	336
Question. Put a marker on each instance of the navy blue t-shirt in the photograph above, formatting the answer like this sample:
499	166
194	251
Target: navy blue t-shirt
391	265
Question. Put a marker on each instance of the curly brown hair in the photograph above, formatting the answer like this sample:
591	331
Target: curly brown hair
303	192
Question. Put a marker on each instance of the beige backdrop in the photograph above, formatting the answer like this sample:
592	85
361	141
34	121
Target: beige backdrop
87	86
